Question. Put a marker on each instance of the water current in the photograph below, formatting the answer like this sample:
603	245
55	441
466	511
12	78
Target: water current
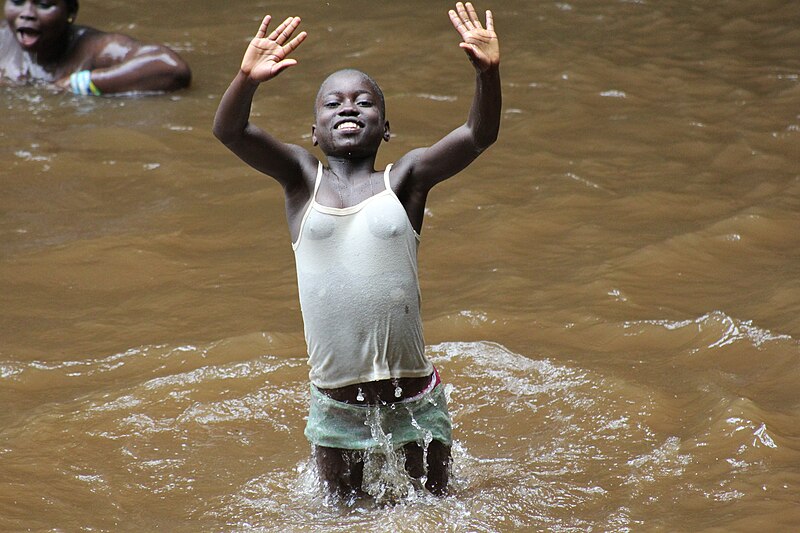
611	293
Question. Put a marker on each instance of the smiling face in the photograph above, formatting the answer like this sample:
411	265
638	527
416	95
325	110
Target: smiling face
39	25
350	116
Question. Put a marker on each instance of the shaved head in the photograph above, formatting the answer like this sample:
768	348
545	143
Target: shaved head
352	72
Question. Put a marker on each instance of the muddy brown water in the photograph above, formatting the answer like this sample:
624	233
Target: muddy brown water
612	291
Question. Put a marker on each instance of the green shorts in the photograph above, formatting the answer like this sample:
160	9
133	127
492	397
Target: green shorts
335	424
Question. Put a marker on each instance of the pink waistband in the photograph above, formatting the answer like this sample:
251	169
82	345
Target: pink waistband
435	380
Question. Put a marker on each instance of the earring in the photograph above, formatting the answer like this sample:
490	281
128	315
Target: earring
71	20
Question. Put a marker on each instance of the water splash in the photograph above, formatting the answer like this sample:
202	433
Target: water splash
385	476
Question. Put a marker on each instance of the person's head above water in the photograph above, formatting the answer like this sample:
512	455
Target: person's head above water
41	44
349	115
41	28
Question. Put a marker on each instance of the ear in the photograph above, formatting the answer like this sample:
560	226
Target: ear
314	135
386	132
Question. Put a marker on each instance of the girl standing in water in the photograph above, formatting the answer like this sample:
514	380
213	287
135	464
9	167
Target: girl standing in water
355	233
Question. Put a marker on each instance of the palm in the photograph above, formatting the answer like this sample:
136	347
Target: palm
262	58
480	43
267	56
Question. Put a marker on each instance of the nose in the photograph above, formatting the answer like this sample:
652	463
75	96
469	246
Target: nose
28	11
349	108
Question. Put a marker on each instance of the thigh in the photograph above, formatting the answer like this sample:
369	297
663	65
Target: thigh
438	465
414	460
438	468
341	471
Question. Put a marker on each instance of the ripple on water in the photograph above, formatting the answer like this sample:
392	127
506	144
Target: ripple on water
538	445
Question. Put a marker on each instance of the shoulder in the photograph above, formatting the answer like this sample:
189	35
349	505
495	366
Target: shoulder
10	53
299	189
107	48
87	47
86	36
300	179
401	175
102	47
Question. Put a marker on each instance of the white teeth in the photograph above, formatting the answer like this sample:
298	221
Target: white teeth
347	126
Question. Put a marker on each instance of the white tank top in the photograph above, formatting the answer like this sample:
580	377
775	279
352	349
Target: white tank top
359	291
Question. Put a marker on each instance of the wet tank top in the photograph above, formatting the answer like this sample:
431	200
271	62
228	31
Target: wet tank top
359	291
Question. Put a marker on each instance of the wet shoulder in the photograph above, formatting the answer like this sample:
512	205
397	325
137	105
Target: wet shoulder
10	55
94	48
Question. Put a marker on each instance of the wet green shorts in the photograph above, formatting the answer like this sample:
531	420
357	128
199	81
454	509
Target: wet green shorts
335	424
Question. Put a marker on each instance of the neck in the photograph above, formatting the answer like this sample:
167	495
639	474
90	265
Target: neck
55	53
352	169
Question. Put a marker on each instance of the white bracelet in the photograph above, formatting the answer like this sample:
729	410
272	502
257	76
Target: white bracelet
81	83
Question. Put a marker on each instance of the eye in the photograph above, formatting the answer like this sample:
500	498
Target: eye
364	103
330	105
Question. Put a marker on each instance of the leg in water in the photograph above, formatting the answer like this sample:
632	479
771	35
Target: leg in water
438	463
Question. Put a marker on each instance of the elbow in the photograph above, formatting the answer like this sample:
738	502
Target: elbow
178	75
182	77
164	71
225	134
170	72
222	134
483	142
491	139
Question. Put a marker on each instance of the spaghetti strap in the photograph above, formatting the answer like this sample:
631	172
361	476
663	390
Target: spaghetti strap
386	177
311	202
317	181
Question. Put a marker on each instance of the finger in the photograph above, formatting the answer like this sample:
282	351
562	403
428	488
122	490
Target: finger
458	24
284	31
282	65
262	30
286	34
489	20
473	15
474	54
469	48
277	32
464	16
294	43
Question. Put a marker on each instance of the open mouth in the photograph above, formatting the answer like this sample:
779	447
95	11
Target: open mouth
348	125
27	37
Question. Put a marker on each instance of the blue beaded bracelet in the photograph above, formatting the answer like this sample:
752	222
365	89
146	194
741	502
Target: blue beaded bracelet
81	83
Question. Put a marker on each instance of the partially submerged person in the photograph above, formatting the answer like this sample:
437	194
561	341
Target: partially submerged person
355	232
40	43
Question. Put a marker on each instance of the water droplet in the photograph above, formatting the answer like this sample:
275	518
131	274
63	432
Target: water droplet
360	395
398	391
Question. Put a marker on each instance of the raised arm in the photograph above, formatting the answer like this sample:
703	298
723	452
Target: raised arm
483	49
428	166
266	57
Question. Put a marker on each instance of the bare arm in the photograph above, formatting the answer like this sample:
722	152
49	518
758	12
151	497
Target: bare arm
147	68
265	58
427	166
119	64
